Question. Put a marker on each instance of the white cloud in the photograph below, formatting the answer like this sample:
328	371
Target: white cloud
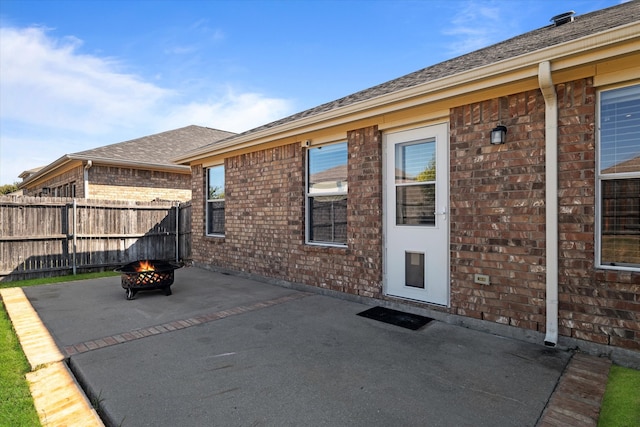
233	112
180	50
55	100
212	34
47	82
477	24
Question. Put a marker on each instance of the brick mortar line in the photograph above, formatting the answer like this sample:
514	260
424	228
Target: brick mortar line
175	325
568	405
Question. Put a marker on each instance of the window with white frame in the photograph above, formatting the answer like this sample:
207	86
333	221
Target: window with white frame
618	176
327	194
215	201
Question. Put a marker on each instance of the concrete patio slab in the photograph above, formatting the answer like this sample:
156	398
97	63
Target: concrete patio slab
248	353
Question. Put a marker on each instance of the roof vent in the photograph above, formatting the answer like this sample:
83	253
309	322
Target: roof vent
563	18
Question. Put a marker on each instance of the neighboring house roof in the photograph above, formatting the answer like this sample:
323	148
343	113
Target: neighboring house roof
29	172
533	41
159	148
149	152
631	165
336	173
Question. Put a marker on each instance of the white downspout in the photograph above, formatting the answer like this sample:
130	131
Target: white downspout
551	177
86	178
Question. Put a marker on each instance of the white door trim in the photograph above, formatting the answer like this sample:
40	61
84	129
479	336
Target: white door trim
430	243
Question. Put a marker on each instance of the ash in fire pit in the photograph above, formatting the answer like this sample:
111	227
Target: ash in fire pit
147	275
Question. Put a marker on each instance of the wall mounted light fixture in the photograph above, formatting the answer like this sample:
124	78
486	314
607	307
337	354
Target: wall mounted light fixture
499	134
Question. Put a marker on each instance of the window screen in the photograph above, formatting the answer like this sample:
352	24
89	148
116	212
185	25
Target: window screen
327	194
619	178
215	200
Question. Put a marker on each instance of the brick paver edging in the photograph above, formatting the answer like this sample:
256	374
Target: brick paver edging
578	396
175	325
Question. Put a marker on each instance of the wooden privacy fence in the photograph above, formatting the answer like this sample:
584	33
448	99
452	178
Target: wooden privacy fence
42	236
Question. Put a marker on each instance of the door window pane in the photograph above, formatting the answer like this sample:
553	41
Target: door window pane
415	205
415	178
416	162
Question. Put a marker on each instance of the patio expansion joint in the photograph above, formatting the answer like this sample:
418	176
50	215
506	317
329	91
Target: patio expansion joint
176	325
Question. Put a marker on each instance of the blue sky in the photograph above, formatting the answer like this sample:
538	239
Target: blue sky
79	74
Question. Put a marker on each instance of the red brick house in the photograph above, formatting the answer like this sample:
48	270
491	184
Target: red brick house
400	193
140	169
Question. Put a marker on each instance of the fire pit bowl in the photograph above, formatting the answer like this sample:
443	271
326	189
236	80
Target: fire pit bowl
146	275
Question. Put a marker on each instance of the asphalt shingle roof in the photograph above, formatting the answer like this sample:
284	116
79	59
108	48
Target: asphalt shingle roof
159	148
532	41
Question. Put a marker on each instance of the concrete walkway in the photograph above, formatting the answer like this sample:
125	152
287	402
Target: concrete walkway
223	350
57	397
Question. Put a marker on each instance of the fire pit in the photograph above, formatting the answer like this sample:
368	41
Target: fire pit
147	275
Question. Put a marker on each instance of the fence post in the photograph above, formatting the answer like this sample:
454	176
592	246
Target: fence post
75	216
178	232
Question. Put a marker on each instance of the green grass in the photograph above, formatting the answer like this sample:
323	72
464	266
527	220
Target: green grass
16	404
57	279
621	402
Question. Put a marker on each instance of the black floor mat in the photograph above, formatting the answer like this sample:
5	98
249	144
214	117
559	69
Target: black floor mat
395	317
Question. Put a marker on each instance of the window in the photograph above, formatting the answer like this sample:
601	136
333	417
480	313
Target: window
327	194
215	201
416	183
619	179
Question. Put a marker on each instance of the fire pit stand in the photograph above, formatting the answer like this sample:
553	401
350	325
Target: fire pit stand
147	275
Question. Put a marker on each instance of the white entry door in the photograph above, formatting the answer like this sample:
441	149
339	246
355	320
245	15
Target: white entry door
416	212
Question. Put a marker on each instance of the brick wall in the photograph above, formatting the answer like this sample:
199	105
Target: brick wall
498	220
115	183
602	306
264	219
497	211
62	183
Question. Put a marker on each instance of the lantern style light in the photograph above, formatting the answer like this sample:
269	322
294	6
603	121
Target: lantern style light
499	135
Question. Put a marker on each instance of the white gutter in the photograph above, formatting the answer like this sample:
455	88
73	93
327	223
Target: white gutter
86	178
551	174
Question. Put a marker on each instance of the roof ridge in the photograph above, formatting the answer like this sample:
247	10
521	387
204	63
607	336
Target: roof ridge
155	136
